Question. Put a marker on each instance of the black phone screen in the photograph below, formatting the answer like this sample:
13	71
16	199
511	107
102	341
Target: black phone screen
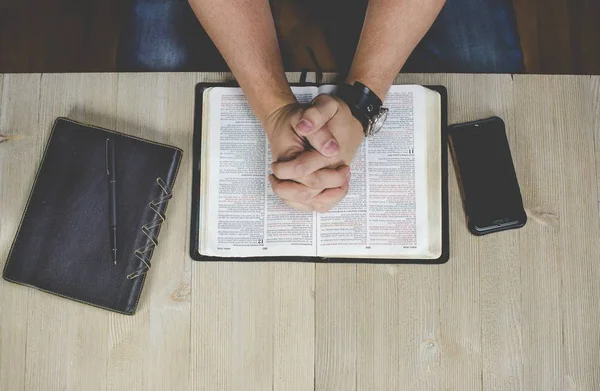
487	176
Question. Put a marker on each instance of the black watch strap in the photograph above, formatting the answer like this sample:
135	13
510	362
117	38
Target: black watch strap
364	103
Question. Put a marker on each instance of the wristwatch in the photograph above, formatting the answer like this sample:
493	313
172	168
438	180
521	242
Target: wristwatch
365	106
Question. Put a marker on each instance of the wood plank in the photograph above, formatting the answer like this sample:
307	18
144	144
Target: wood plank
57	325
398	333
497	255
463	277
460	317
368	335
19	155
478	331
253	324
399	341
480	286
559	246
293	326
460	336
232	337
151	349
336	311
579	267
538	241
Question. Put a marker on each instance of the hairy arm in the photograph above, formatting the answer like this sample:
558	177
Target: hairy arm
244	33
392	29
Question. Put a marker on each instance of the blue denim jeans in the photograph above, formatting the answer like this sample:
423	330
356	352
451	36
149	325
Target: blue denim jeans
473	36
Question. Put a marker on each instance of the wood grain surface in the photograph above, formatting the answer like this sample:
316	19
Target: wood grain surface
517	310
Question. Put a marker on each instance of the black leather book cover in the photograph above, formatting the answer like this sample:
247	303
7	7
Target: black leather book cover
196	194
62	245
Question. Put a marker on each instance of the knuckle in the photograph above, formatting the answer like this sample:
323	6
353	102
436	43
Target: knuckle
326	137
276	170
340	179
312	112
313	181
276	188
305	194
319	99
325	98
300	168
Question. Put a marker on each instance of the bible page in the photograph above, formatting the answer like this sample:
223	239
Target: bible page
240	215
385	214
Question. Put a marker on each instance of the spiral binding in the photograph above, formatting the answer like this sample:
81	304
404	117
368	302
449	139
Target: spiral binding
144	253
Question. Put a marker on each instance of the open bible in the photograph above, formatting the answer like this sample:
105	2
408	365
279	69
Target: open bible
394	209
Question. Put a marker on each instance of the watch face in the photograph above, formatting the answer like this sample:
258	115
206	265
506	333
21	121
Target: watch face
379	120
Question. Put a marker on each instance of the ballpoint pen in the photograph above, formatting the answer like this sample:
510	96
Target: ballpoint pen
112	196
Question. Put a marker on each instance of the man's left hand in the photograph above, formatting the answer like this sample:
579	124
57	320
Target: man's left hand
292	177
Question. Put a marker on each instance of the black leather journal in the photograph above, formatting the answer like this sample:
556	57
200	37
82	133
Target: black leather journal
63	244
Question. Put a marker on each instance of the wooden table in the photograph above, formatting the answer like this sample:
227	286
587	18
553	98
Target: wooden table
518	310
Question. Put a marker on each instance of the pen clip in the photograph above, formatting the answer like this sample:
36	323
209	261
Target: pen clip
106	157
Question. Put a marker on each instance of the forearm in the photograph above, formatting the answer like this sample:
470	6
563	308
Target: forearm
392	29
244	33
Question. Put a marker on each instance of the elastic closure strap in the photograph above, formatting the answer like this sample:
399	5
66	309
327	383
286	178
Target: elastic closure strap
144	253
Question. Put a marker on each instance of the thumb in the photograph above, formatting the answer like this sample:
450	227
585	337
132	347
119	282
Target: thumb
313	125
322	109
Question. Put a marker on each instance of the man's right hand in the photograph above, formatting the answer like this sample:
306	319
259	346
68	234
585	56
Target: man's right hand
329	177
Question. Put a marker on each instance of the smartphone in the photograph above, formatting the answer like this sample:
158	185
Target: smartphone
486	175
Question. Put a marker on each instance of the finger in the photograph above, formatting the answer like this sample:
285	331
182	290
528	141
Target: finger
312	125
302	165
330	197
292	191
323	141
322	109
326	178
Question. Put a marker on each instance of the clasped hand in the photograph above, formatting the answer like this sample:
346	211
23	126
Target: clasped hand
312	147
